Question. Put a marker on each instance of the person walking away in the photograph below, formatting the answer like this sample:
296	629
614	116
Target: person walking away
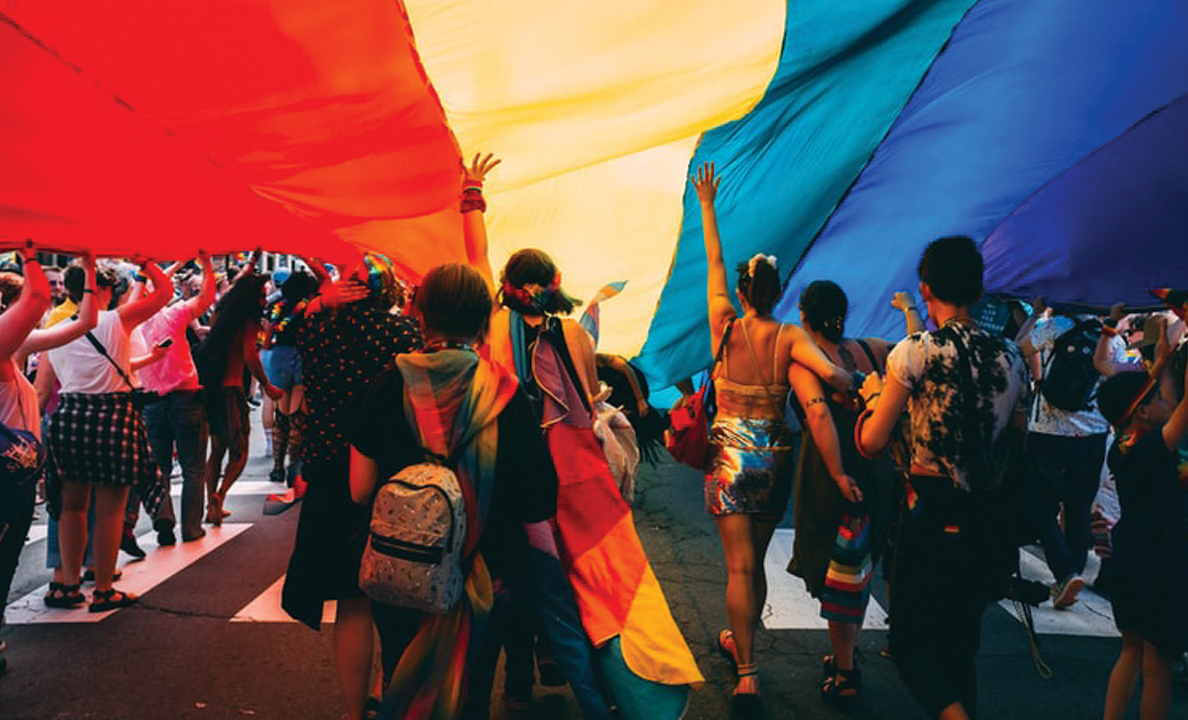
962	387
1150	541
174	415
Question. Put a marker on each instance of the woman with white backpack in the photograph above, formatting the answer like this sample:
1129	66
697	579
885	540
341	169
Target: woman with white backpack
448	407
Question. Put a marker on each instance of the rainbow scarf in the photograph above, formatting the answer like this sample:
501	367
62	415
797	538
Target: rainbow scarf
452	400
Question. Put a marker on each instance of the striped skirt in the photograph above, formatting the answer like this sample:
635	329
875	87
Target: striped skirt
847	582
98	439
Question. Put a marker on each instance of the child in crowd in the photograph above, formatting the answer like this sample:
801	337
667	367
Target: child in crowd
1150	541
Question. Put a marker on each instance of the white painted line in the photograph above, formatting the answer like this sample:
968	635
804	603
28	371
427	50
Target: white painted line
242	487
266	607
37	533
1092	616
789	606
139	576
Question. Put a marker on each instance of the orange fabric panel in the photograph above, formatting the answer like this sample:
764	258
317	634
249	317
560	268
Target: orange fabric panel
653	646
606	577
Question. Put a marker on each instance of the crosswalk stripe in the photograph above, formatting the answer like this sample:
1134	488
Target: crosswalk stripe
241	487
266	607
789	605
36	533
1092	616
139	576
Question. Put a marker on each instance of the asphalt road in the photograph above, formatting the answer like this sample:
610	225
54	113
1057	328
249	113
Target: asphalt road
208	642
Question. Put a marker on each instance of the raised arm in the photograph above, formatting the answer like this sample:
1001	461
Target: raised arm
19	320
1103	355
68	330
474	224
135	313
1177	426
202	302
819	420
706	182
904	302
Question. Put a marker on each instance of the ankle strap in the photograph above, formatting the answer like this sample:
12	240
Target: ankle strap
748	669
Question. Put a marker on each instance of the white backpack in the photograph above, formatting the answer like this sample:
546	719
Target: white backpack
414	552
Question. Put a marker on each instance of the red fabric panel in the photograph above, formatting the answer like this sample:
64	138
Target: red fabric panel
588	499
321	107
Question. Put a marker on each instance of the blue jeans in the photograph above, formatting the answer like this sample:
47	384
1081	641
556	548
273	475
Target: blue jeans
1069	471
179	418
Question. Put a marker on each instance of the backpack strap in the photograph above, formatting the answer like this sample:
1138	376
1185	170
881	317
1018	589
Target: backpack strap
973	450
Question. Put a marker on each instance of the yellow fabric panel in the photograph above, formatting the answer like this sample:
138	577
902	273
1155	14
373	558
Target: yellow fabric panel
595	109
653	646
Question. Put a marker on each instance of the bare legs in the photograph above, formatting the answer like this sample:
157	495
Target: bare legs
354	647
1139	655
844	638
744	540
110	501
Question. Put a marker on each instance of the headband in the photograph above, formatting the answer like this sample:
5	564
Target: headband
528	302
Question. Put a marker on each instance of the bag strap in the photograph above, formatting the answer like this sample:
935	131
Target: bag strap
103	351
874	364
759	369
720	355
970	431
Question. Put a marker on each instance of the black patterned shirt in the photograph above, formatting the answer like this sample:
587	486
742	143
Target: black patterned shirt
342	350
926	364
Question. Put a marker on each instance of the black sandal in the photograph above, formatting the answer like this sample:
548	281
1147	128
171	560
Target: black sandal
64	596
842	688
829	663
104	600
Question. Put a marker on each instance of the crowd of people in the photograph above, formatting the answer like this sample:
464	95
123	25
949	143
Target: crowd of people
947	449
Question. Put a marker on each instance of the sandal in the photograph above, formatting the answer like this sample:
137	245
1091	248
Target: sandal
61	595
745	701
829	663
727	648
842	688
104	600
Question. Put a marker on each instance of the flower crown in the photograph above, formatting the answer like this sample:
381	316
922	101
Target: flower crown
754	262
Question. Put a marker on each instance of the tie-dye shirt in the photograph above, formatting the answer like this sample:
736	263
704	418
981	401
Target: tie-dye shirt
926	364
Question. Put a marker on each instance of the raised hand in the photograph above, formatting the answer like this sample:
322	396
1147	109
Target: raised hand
479	167
903	301
706	182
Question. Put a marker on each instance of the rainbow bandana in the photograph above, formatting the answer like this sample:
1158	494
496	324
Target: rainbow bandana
381	275
452	400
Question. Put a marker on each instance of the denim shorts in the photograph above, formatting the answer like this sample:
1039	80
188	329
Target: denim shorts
284	367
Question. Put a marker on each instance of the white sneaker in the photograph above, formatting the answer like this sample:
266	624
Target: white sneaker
1064	594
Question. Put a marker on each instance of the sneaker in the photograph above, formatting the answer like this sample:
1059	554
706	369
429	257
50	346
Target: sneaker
129	545
1064	594
276	475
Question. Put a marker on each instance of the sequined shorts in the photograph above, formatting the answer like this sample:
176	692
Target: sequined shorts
750	468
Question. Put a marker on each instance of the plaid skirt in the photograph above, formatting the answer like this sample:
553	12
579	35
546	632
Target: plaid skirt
99	439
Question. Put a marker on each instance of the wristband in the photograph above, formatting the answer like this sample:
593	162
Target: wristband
911	308
476	188
472	199
88	290
1109	330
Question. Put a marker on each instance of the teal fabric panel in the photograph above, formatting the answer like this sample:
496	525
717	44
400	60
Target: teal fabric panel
846	71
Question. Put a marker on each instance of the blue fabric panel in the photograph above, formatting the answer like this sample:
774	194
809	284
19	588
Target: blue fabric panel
1023	91
846	71
1109	229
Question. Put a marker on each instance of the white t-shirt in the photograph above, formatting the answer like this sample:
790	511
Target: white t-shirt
81	369
176	370
1048	420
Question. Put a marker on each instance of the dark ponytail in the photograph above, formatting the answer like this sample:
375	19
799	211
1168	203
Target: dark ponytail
759	283
825	305
533	267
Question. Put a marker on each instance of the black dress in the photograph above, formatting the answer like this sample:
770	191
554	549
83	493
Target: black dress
342	350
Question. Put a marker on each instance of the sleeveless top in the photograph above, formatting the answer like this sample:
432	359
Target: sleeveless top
751	401
81	369
18	404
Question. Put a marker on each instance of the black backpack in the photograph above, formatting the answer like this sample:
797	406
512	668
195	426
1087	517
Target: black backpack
1070	379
